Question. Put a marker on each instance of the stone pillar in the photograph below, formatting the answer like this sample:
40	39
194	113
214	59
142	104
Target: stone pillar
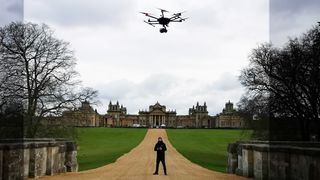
61	158
26	157
38	160
13	162
239	170
1	161
260	167
53	159
71	156
247	161
232	158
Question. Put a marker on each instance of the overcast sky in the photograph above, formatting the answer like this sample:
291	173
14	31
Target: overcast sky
197	60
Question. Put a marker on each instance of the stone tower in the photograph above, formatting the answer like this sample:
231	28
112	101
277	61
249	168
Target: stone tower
115	111
200	114
228	107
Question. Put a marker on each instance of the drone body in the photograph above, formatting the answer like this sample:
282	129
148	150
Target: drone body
162	20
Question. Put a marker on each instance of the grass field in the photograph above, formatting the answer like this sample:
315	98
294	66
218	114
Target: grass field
100	146
206	147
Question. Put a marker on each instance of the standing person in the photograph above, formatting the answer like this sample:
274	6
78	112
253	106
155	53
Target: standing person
160	147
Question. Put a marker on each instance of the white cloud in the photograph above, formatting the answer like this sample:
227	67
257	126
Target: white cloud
175	92
10	10
85	13
290	18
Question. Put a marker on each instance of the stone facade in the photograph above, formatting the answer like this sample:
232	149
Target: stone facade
275	160
229	118
84	116
157	115
33	158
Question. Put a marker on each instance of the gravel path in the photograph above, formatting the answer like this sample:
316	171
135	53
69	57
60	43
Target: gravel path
139	164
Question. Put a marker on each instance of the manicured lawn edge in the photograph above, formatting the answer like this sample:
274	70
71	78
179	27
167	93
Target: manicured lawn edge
101	146
205	147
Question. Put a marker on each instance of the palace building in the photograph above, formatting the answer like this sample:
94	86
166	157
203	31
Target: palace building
155	116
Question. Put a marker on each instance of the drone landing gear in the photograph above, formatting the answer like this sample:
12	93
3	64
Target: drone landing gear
163	30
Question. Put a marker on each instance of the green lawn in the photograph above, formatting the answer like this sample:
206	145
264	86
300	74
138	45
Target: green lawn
206	147
100	146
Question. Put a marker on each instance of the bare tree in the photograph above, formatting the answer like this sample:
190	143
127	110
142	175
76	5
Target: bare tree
38	69
290	78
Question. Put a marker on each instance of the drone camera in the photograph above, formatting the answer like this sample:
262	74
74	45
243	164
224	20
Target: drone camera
163	30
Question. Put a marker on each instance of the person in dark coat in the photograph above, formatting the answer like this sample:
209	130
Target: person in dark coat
160	147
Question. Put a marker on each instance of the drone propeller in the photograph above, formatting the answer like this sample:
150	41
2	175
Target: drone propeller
183	19
144	13
149	23
179	13
163	10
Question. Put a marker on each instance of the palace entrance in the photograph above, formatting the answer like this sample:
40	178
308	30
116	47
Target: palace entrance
158	120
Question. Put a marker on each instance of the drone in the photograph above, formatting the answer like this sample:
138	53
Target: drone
162	20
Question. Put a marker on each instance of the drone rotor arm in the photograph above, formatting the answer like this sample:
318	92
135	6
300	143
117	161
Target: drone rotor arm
148	15
174	17
179	19
151	23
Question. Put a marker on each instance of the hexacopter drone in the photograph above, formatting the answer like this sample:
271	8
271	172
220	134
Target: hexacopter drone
164	21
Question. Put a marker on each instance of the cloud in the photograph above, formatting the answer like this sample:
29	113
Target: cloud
81	12
290	18
174	92
130	61
293	7
10	10
226	82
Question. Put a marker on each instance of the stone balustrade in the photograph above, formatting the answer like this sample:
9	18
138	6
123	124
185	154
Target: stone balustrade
32	158
275	160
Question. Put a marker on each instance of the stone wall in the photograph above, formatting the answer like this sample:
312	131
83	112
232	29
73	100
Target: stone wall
32	158
275	160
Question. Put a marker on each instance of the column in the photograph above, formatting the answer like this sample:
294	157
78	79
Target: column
247	162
